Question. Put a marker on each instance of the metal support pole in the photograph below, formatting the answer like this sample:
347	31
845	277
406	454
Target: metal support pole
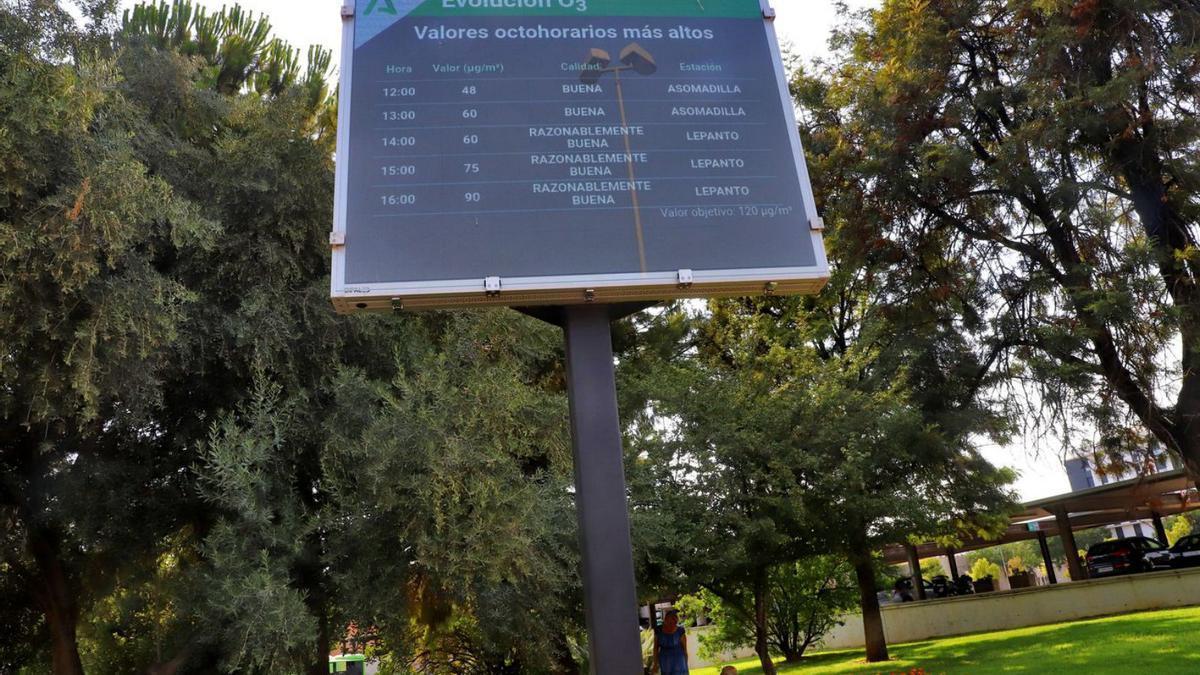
1159	528
914	566
1050	575
609	590
950	558
1074	564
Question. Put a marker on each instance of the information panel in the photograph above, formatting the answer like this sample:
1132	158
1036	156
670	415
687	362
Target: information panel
524	152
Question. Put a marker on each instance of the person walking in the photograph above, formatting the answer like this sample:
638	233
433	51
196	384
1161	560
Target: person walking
670	647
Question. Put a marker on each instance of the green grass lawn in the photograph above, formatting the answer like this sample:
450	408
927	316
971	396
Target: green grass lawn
1148	642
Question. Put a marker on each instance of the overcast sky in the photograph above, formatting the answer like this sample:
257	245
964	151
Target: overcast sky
805	24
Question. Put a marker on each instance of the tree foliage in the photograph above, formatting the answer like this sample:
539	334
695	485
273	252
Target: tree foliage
1010	188
175	492
251	603
1048	149
1178	528
983	568
463	461
932	567
807	598
795	426
1030	553
90	311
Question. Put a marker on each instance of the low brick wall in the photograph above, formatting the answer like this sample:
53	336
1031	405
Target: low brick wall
1003	610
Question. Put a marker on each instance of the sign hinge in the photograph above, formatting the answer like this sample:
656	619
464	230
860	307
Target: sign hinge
348	9
769	14
685	278
817	225
337	239
491	286
397	304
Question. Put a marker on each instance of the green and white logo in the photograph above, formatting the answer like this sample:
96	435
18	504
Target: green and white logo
374	6
376	16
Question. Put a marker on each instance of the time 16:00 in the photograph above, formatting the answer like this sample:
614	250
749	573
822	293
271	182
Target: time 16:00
411	199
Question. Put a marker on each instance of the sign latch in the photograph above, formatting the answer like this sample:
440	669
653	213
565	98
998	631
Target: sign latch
348	9
337	239
817	225
491	286
685	278
769	14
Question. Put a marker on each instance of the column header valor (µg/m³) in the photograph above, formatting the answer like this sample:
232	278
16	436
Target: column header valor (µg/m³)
538	152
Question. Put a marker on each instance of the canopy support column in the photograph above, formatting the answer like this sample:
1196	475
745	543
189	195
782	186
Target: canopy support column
1050	574
1159	528
914	566
1074	564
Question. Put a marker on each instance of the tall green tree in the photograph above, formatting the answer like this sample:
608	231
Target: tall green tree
236	123
166	202
1050	145
807	599
880	376
452	482
172	471
724	477
89	313
796	425
257	602
232	128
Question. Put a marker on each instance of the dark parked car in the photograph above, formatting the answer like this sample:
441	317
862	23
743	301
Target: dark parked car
1186	552
902	591
1160	559
942	587
1125	556
945	587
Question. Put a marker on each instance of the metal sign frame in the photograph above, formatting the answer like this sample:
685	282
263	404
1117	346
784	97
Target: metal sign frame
572	289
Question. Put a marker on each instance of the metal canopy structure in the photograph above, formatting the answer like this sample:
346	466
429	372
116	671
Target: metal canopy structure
1151	497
